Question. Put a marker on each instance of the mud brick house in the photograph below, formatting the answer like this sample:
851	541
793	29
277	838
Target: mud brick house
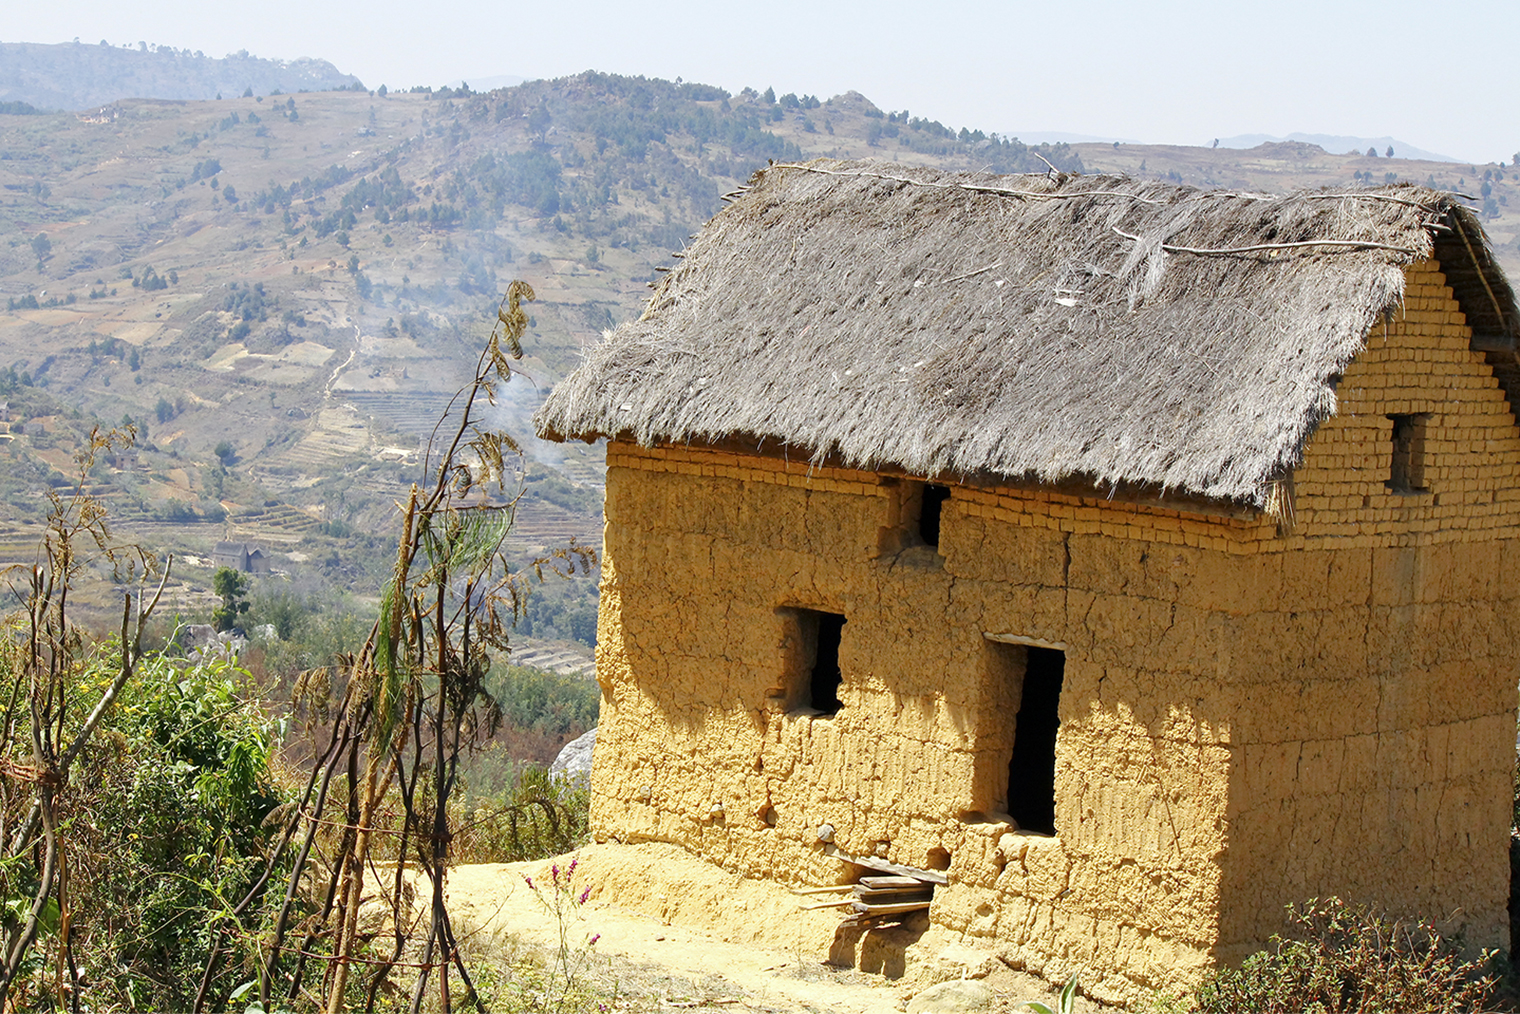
241	556
1144	558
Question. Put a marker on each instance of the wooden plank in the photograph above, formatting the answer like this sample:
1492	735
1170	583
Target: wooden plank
926	890
882	866
894	897
837	903
883	883
823	890
861	908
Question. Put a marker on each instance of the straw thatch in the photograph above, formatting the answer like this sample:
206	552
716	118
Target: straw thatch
1097	329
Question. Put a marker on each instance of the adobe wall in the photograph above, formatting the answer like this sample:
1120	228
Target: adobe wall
1250	716
1375	733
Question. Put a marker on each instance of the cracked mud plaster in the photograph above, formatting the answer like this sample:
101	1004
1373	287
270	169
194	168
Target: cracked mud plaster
1250	716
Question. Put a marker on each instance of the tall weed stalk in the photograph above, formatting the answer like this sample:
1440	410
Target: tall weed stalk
51	714
400	715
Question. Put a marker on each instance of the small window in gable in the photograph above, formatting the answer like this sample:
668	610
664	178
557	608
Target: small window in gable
813	678
1406	473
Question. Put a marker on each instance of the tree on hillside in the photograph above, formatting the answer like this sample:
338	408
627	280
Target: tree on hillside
539	119
233	589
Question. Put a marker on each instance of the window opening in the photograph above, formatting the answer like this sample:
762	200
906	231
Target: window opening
1406	474
1026	683
1032	769
934	497
825	679
813	676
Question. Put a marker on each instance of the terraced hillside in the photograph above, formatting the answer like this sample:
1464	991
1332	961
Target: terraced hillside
283	292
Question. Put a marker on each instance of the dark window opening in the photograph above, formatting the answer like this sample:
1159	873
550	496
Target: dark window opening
934	497
1031	679
1406	473
812	676
825	678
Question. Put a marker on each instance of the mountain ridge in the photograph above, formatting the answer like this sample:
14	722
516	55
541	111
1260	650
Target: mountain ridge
1339	143
74	75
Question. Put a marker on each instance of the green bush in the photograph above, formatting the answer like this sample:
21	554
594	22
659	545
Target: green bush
1345	959
166	820
540	815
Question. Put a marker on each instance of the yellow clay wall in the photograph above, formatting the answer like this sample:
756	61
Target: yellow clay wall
1374	731
1253	713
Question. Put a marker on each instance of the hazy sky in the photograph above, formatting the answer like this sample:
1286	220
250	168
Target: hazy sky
1440	76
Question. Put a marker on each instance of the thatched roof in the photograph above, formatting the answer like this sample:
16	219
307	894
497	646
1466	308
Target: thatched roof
1096	329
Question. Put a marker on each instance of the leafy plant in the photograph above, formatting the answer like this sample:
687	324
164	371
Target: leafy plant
1065	1005
170	829
538	815
1345	959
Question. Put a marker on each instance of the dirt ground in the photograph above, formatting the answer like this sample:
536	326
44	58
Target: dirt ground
675	933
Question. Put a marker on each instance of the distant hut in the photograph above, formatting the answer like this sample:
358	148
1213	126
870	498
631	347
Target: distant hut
1144	559
240	556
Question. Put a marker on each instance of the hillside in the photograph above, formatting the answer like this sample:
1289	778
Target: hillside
302	282
283	292
74	75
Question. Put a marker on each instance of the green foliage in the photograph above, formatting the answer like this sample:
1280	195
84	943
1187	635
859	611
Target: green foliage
545	702
232	587
310	633
541	482
1065	1005
205	169
150	280
562	610
534	816
281	609
171	811
1343	959
249	302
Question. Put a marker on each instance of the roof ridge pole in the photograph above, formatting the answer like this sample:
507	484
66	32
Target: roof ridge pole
1478	267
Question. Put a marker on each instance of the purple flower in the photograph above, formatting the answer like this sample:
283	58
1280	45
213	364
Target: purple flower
584	895
574	861
593	940
529	881
554	870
